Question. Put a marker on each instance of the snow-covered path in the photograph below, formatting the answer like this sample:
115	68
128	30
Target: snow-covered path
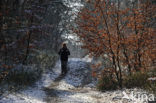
38	94
76	87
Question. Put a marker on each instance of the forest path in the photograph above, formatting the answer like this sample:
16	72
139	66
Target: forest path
70	88
77	86
76	77
65	86
51	93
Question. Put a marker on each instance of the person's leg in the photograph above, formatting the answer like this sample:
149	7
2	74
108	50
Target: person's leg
65	67
62	67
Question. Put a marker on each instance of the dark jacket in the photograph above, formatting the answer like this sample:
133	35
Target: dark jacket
64	52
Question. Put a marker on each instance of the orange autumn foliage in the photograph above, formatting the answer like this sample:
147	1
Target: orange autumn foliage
125	35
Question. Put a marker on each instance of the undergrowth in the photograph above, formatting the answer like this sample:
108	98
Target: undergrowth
136	80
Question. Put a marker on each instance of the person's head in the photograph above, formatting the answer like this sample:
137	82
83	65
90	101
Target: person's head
64	45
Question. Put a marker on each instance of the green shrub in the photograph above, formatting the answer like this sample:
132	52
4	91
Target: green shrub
140	80
23	75
152	73
137	79
20	77
107	83
151	87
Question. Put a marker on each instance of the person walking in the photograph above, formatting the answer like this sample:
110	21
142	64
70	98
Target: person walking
64	53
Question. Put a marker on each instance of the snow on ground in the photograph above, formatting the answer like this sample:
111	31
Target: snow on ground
76	87
34	94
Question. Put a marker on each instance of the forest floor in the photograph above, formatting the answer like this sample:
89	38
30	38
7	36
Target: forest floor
77	86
